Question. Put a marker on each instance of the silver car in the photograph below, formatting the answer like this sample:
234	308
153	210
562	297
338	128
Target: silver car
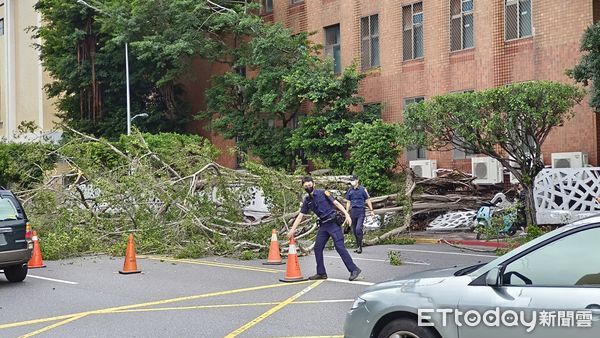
549	287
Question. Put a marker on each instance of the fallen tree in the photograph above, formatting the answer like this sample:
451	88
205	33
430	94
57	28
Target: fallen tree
170	193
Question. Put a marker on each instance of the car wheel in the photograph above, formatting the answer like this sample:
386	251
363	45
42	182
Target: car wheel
16	273
405	328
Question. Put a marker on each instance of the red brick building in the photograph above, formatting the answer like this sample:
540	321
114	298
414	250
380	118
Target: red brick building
412	50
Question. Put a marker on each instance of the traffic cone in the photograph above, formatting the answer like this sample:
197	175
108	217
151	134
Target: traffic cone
130	265
274	256
36	259
293	273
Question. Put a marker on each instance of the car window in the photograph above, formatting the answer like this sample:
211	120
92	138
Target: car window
573	260
7	209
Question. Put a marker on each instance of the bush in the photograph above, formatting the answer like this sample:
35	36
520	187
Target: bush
374	151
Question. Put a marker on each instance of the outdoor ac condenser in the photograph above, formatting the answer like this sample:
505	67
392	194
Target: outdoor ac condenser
486	170
513	179
424	168
569	160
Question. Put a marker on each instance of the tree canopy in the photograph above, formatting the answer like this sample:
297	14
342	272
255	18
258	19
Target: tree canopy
83	50
508	123
587	71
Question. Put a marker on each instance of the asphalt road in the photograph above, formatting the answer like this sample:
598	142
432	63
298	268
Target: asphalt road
211	297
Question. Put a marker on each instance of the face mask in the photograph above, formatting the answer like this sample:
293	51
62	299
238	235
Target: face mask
309	189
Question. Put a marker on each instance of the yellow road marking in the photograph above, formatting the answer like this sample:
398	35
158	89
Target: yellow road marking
273	310
217	264
198	307
53	326
133	306
219	306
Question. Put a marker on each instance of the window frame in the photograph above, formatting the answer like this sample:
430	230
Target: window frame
330	48
369	39
518	22
296	2
264	8
461	16
412	29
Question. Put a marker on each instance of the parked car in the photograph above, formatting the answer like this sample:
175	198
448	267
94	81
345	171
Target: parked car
15	237
554	277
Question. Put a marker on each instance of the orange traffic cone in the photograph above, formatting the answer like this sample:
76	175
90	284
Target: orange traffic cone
274	256
130	265
293	273
36	259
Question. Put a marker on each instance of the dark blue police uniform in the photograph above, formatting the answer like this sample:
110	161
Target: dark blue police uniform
357	197
322	205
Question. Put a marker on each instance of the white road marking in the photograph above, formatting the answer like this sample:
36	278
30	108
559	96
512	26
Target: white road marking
415	263
380	260
446	253
53	280
360	259
349	282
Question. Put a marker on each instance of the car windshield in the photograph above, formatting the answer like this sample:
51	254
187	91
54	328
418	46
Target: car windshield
8	210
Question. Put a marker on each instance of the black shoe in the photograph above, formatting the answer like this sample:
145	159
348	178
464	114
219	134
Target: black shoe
359	250
317	277
354	274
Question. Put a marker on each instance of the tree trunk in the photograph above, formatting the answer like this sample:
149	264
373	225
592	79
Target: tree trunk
530	206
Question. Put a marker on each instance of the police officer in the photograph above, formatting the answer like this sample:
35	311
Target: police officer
356	196
323	205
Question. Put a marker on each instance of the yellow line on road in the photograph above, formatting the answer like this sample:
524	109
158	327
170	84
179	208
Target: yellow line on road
217	264
273	310
133	306
53	326
199	307
219	306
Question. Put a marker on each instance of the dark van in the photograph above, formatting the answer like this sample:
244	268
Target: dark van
16	245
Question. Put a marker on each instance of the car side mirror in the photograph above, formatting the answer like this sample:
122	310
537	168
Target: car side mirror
493	277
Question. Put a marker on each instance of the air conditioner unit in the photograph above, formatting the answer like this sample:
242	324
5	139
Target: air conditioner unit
425	168
486	170
569	160
513	179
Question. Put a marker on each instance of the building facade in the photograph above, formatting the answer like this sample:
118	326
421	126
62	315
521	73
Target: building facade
415	49
22	98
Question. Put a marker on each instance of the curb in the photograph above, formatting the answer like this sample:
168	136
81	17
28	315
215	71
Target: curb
466	242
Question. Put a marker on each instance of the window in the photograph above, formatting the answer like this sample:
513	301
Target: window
332	47
267	6
517	19
7	209
461	24
412	23
369	48
295	2
1	27
415	153
459	153
573	260
373	109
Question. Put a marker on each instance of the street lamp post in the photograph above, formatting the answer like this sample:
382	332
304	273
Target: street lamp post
126	68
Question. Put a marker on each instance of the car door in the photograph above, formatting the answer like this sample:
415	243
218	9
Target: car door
12	225
555	288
